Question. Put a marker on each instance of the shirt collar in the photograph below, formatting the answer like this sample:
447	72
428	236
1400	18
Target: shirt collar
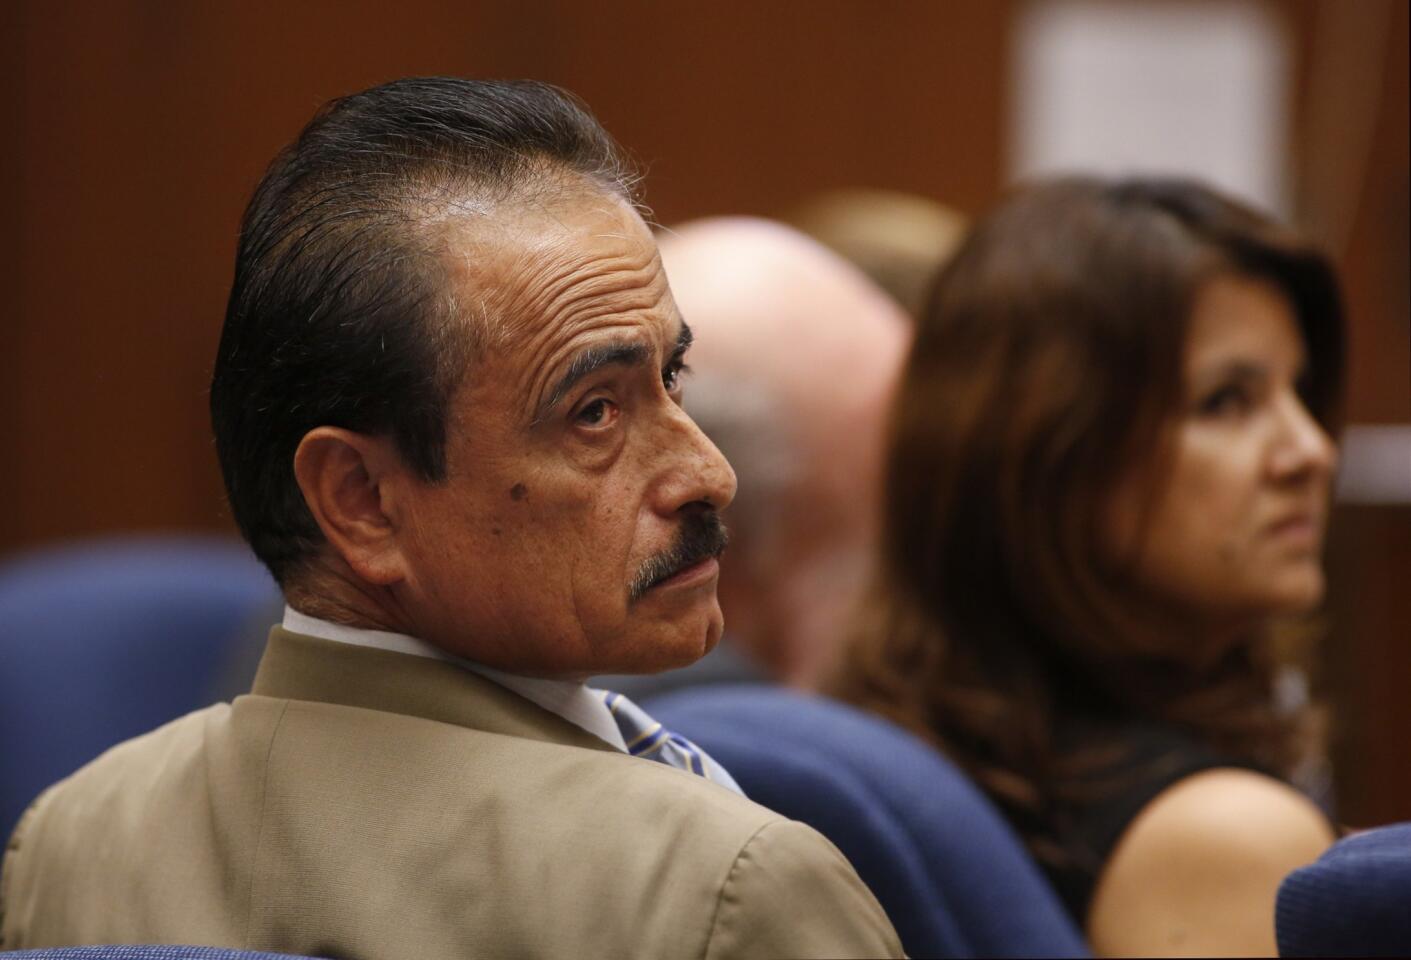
575	702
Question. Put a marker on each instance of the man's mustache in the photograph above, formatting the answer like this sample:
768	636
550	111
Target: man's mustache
703	535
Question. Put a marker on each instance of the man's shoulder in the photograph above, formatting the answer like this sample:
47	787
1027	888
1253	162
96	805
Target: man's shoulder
554	784
309	752
659	794
318	812
313	751
129	804
133	763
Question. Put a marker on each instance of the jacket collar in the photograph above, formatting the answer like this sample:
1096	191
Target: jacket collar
300	667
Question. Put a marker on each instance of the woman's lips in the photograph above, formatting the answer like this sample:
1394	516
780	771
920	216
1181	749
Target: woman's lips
1300	529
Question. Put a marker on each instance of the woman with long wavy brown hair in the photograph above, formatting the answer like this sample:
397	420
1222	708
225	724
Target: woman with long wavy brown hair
1108	481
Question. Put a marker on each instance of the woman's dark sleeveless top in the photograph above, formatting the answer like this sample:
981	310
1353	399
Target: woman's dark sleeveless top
1152	759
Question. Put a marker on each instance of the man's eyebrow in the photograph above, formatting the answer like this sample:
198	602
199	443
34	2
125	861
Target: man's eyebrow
684	339
606	355
588	362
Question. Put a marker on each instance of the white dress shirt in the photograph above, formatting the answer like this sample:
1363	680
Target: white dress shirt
577	703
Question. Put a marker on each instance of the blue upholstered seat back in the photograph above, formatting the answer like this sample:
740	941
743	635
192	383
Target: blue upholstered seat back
104	640
952	876
1353	901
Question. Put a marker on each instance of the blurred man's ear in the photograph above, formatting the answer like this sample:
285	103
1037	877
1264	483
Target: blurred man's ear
345	478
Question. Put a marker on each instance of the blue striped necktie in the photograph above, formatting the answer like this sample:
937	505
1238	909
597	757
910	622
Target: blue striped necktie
650	740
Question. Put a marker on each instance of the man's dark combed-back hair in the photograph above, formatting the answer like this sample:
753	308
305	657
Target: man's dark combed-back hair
341	313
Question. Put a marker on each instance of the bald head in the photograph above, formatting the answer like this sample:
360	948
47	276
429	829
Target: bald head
796	355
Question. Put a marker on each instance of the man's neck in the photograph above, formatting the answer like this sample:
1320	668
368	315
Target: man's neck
326	593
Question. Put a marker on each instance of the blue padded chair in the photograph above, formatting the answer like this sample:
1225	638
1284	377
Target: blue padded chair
1353	901
149	952
104	640
952	876
145	952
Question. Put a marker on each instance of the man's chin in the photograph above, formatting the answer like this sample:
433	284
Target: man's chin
678	648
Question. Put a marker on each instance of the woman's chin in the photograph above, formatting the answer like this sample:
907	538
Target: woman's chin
1301	592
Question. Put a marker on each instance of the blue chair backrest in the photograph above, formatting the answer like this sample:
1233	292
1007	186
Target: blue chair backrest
954	879
1353	901
103	640
144	952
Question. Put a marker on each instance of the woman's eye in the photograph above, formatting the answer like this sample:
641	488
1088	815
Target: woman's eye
1230	400
596	414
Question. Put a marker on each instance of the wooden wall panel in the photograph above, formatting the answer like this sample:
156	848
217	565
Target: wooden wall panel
1368	661
751	107
1353	166
142	128
11	244
1368	655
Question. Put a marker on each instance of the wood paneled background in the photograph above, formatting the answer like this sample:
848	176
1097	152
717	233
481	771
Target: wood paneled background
136	130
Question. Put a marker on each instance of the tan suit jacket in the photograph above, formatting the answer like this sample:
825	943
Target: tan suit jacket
367	804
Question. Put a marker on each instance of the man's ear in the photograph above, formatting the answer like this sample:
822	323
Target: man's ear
341	474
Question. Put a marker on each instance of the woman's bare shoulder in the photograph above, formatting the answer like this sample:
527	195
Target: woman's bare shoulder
1198	869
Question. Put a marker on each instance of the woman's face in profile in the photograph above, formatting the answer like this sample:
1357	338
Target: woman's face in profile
1237	530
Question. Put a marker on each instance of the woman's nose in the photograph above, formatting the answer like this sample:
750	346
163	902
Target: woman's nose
1303	446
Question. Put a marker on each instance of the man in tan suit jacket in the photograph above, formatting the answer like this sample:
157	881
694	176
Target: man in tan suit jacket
447	404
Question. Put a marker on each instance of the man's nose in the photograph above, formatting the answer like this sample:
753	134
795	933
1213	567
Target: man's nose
1303	447
699	474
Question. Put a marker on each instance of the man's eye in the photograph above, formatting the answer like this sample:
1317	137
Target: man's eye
671	376
599	413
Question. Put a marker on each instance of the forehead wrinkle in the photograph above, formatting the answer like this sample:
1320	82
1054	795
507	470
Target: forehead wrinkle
547	251
548	286
587	323
497	260
544	282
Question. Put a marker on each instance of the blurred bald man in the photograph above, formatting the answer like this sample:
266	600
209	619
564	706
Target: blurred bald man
795	358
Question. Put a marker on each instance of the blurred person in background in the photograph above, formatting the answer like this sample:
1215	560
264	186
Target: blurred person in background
898	239
792	371
1109	480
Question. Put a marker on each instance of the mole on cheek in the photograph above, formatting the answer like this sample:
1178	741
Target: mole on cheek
519	491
